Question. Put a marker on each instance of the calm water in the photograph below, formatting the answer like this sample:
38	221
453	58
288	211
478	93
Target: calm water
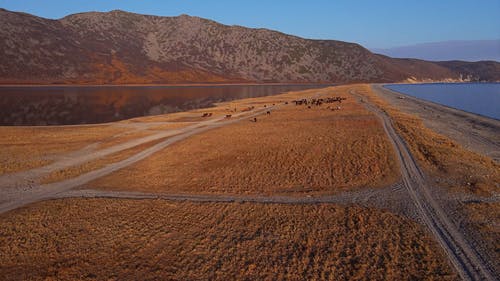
479	98
97	104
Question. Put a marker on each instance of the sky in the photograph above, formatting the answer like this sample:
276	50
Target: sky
371	23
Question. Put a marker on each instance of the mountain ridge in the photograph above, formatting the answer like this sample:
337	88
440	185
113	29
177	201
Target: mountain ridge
464	50
119	47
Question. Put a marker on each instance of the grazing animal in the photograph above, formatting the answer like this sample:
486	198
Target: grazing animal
268	113
255	119
247	109
300	102
228	115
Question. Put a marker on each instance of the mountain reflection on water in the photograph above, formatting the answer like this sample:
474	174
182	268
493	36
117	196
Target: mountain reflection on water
65	105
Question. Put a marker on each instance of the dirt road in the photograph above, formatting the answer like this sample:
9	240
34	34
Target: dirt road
462	255
15	193
21	178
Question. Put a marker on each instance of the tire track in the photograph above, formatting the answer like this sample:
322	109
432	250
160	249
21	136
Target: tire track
19	197
466	260
21	178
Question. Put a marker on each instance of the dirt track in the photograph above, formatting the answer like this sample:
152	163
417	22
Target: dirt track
9	180
16	192
465	259
462	255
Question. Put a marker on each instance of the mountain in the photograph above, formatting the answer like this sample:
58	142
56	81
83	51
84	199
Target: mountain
489	69
472	50
124	48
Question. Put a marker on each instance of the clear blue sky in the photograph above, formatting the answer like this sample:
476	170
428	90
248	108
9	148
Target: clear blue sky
372	23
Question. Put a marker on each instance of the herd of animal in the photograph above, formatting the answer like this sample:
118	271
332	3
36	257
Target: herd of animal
319	102
307	102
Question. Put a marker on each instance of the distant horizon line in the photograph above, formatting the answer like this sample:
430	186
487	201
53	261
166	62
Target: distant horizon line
436	42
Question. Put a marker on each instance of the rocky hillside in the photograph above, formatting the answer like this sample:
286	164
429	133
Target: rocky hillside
119	47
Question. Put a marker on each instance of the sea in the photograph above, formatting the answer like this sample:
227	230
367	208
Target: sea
478	98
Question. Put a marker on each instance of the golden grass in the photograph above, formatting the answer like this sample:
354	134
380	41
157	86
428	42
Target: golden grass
454	168
461	170
124	137
23	148
294	150
170	126
89	166
105	239
485	217
171	117
185	116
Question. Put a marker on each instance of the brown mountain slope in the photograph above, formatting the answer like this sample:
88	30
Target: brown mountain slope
482	71
119	47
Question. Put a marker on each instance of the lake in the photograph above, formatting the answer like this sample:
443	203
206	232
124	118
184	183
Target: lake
65	105
478	98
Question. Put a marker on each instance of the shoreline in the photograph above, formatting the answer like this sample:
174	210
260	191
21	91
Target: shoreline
439	104
474	132
439	82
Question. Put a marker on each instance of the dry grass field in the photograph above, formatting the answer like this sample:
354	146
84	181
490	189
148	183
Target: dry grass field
124	137
452	166
169	126
294	150
457	170
485	217
23	148
74	171
104	239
